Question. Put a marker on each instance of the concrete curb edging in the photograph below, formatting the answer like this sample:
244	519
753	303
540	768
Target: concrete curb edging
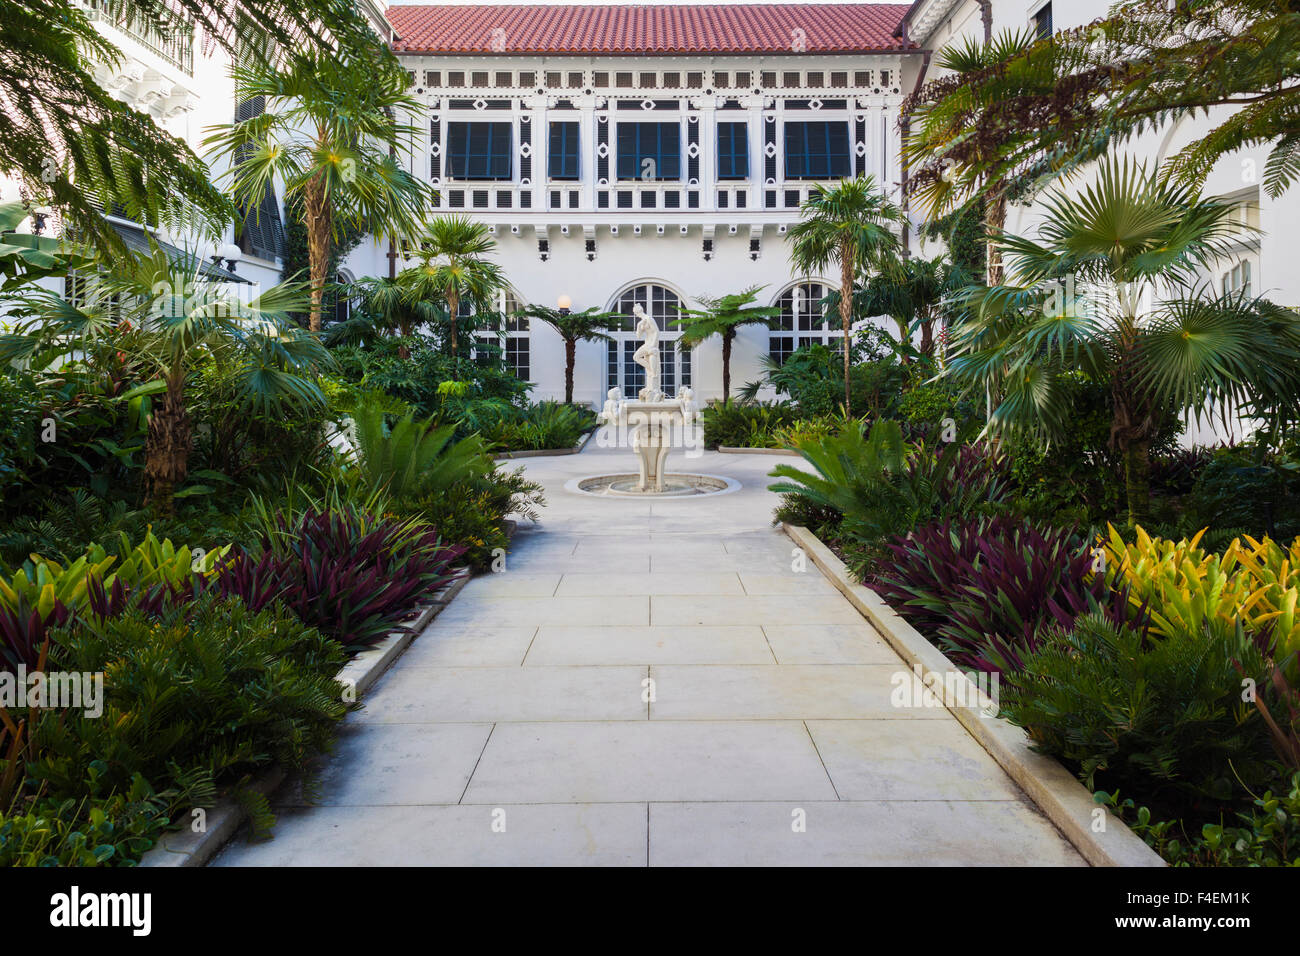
188	848
732	450
1061	797
547	452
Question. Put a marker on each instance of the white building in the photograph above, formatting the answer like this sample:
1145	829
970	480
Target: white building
627	154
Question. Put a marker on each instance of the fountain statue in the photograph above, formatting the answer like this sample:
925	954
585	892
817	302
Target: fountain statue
652	420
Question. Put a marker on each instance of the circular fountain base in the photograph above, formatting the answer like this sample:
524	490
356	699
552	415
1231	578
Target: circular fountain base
675	486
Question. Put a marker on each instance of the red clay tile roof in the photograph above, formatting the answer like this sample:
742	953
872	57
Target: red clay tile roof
630	30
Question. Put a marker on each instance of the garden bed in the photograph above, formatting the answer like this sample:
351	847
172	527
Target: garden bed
1065	801
188	847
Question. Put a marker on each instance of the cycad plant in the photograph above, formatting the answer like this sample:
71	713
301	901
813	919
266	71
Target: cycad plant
329	133
164	313
722	316
1109	287
589	325
454	268
411	457
849	226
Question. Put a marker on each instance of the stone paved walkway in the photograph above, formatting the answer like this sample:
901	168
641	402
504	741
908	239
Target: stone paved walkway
515	729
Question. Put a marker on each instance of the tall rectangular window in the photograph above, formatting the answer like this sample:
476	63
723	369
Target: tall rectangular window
650	151
564	151
816	150
1042	19
479	150
733	151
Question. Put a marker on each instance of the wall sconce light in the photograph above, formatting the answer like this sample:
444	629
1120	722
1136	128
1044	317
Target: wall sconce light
228	251
564	304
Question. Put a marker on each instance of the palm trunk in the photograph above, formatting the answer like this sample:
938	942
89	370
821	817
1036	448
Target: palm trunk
316	216
1137	480
995	217
570	354
726	366
453	303
846	314
167	446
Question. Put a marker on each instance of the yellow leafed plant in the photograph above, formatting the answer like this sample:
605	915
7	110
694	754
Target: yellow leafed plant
1257	582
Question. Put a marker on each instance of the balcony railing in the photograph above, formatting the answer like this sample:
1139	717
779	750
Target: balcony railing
171	37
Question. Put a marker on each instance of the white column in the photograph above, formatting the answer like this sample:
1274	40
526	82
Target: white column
708	153
541	139
587	150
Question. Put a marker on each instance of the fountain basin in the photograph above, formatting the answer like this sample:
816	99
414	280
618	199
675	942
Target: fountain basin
627	485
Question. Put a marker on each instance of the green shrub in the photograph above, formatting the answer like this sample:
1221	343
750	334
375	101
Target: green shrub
1267	833
745	424
202	696
474	514
93	831
1161	717
1242	489
406	457
539	427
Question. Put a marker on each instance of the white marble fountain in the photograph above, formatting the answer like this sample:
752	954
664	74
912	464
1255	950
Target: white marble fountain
654	424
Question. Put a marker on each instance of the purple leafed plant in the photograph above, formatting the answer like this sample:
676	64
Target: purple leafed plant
983	590
350	574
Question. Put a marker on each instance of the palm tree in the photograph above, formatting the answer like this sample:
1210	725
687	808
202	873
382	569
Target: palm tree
453	268
723	316
848	226
387	303
1109	289
168	317
574	327
328	132
85	150
912	292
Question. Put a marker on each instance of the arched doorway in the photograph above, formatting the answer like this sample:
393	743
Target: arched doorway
663	305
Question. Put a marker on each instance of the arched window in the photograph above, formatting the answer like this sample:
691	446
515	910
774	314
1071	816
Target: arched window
664	306
803	321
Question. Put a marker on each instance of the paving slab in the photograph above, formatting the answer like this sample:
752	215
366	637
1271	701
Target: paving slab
745	644
605	762
424	695
567	834
845	833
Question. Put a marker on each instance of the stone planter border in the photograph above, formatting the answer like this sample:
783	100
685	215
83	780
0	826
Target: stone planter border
730	450
187	848
1064	800
546	452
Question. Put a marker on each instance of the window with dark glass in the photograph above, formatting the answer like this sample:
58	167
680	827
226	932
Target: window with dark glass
564	151
479	150
816	150
1043	21
733	151
650	151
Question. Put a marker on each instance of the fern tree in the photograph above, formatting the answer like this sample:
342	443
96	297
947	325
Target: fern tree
722	317
947	167
574	327
1029	112
849	226
71	143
